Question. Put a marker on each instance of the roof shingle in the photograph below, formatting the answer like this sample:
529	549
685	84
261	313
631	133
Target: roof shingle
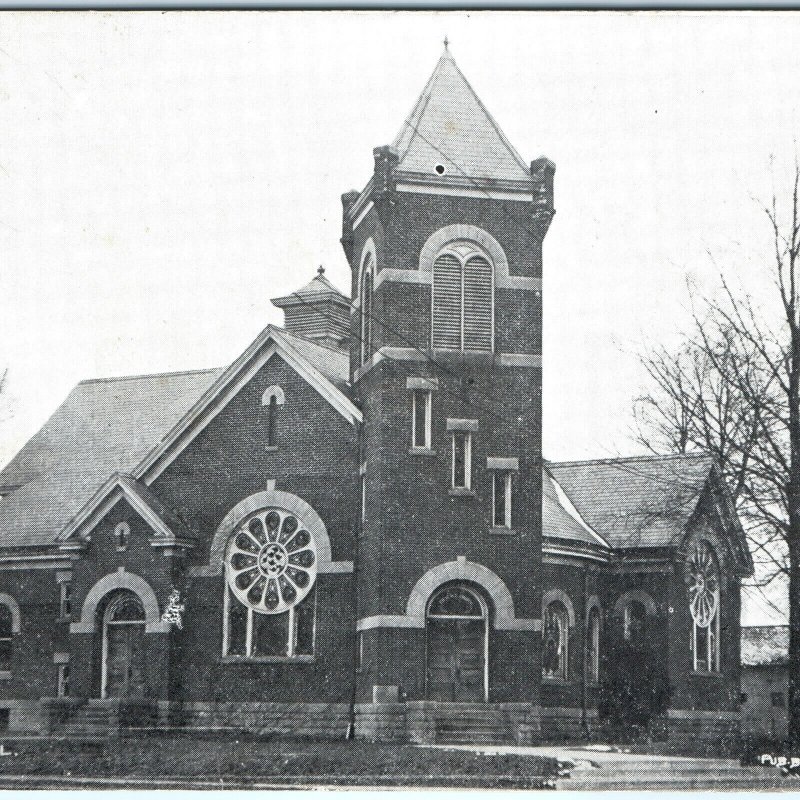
450	126
636	502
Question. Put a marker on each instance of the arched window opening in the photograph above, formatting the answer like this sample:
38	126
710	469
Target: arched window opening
462	299
272	409
269	602
634	623
122	533
703	579
556	641
6	638
593	646
367	280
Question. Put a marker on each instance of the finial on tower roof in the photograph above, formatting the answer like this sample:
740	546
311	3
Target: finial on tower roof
320	270
446	42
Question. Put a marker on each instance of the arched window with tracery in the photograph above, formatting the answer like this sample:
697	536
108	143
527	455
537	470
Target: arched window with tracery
6	638
634	623
365	295
556	641
269	602
593	646
462	299
703	579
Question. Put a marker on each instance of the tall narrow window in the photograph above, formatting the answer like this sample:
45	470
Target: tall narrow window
634	623
65	607
367	278
556	641
122	533
363	497
501	499
462	460
272	410
704	604
63	680
421	418
462	299
593	646
6	638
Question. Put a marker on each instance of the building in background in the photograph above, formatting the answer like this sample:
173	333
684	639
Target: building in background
765	681
352	525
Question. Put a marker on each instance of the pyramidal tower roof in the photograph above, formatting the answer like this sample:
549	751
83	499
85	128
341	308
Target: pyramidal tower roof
450	126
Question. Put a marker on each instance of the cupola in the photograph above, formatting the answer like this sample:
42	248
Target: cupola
317	311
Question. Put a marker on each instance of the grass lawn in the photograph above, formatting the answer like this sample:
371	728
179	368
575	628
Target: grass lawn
281	760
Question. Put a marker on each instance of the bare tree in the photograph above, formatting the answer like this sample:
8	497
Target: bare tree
733	389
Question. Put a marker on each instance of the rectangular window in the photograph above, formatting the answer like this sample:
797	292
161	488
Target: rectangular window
363	498
270	634
63	680
501	499
462	460
250	634
65	608
421	418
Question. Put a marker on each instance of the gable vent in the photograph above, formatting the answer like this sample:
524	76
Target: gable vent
463	301
478	304
447	293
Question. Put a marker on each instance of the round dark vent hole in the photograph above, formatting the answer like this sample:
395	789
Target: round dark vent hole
439	169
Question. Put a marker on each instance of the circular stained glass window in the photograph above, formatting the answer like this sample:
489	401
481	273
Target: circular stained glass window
271	562
703	581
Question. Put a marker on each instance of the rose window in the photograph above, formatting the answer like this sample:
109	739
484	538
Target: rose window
703	581
272	561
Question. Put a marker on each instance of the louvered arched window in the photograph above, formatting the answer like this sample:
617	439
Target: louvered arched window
463	299
367	279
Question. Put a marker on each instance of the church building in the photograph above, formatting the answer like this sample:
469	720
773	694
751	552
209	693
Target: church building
351	529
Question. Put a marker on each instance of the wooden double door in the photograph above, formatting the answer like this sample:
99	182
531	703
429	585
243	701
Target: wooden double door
457	647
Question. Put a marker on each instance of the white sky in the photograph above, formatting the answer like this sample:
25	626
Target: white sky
162	175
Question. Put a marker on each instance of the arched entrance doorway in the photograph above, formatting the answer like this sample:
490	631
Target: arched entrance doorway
456	623
123	647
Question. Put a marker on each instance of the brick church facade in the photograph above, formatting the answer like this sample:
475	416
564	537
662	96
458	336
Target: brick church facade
351	527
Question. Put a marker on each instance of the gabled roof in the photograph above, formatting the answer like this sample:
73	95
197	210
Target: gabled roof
109	432
636	502
104	426
561	520
449	125
164	521
271	341
765	645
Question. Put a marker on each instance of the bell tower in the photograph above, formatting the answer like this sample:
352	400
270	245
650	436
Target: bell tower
445	245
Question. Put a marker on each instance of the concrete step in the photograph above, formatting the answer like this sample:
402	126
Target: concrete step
667	784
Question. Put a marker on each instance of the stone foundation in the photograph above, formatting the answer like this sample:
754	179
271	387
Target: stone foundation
306	720
705	731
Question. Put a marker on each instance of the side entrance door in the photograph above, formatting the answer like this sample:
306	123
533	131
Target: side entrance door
123	647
